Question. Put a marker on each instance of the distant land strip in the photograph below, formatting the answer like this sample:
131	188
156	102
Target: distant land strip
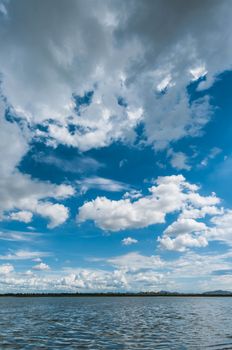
123	294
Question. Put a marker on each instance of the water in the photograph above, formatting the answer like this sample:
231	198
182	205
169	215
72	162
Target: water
115	323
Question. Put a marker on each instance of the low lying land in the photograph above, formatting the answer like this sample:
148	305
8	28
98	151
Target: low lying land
129	294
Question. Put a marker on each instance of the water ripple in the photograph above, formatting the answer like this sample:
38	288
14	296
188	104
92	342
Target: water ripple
118	323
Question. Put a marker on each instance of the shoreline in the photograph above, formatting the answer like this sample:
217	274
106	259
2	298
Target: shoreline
81	295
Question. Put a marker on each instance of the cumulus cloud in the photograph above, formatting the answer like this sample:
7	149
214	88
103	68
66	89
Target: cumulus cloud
133	194
179	160
56	213
196	213
169	194
88	75
129	241
183	242
222	227
21	195
130	272
62	51
134	68
6	269
175	53
19	191
24	216
188	233
41	267
185	226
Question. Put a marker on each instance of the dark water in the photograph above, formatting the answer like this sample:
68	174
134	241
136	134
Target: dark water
115	323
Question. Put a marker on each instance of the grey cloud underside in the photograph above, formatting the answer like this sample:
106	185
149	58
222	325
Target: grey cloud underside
54	49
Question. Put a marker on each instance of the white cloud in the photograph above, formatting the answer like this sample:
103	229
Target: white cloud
6	269
8	235
196	213
120	215
182	242
57	213
222	227
21	196
23	255
165	83
24	216
94	280
78	164
116	57
186	232
198	72
133	194
185	226
101	183
214	152
20	192
131	272
63	191
135	261
169	194
129	241
122	162
81	280
41	267
13	144
179	160
202	201
119	57
183	234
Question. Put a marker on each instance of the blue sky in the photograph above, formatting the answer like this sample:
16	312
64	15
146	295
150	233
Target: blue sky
115	139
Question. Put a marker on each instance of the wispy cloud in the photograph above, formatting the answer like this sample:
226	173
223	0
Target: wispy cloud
101	183
24	255
214	152
9	235
77	164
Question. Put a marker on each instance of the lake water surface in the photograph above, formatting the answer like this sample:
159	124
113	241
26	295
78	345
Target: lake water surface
115	323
